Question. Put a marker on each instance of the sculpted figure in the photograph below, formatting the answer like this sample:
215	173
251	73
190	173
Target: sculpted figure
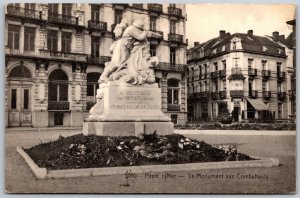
131	61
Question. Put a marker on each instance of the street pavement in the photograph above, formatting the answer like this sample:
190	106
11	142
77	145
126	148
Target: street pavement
20	179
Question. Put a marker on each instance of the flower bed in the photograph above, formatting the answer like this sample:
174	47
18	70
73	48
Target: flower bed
240	126
81	151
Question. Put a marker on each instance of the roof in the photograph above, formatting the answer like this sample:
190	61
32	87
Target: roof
250	43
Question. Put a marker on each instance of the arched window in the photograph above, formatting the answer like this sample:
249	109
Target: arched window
20	72
58	86
173	91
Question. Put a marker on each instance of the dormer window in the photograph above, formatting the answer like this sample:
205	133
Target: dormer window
214	51
234	45
264	48
223	48
279	51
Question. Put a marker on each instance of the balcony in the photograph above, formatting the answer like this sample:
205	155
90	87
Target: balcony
253	94
214	95
175	11
97	25
281	75
67	56
120	6
237	94
266	94
266	73
252	72
90	104
153	7
176	38
196	77
281	95
222	73
98	60
236	70
214	75
190	78
173	107
170	67
23	13
62	19
58	105
292	93
137	5
159	35
222	95
202	94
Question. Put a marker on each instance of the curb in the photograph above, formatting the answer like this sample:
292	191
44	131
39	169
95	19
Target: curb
43	173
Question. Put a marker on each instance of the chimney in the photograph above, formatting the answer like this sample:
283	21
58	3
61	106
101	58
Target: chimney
275	36
222	33
250	33
282	37
196	43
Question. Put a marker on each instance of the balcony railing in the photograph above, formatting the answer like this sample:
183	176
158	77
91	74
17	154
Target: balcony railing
64	55
222	73
214	95
23	12
177	38
266	73
214	75
160	35
175	11
266	94
222	95
58	105
281	95
237	93
155	7
196	77
253	93
202	94
62	19
137	5
98	60
90	104
173	107
170	67
281	75
252	72
97	25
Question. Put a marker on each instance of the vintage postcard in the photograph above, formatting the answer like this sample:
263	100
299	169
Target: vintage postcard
150	98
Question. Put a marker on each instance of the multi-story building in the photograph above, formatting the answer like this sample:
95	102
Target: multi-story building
55	54
245	73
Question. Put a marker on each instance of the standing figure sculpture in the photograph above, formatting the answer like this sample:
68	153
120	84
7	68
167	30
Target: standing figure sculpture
131	60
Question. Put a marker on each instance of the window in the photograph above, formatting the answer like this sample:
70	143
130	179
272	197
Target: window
264	48
118	16
13	37
279	110
224	64
52	40
13	104
278	67
172	26
200	71
278	87
236	62
216	66
224	85
250	62
223	48
264	86
173	91
92	86
30	6
205	86
29	38
20	72
95	46
152	50
30	10
234	45
205	67
264	64
172	55
26	99
66	41
58	86
53	8
95	14
173	5
152	23
67	9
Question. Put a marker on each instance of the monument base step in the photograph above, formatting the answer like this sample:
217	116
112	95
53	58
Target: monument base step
127	128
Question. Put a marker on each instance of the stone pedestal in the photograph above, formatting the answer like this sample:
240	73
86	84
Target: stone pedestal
127	110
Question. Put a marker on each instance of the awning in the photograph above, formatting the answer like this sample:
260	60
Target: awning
258	104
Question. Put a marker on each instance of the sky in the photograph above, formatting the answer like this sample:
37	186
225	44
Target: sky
204	21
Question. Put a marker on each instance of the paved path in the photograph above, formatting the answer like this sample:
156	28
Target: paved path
20	179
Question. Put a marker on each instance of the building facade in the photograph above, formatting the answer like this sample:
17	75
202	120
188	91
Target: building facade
55	54
243	73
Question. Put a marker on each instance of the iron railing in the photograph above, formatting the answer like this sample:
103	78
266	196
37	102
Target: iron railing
98	60
266	73
62	19
97	25
177	38
266	94
173	107
155	7
170	67
237	94
58	105
23	12
174	11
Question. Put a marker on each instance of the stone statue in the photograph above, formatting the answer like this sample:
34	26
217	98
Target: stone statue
131	60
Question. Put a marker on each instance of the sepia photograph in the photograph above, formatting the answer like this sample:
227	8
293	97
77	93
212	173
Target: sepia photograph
195	98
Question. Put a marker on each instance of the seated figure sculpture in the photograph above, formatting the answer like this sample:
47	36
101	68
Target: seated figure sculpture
131	60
